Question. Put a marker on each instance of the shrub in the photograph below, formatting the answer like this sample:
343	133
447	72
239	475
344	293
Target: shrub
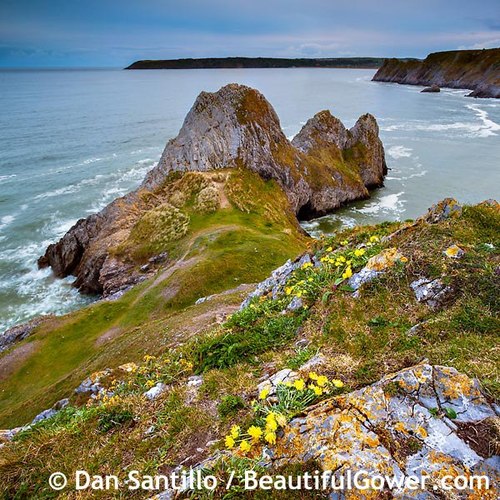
229	406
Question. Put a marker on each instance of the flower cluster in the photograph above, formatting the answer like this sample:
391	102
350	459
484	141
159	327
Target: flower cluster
337	265
273	413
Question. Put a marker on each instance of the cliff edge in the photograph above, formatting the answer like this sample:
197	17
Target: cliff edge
235	130
476	70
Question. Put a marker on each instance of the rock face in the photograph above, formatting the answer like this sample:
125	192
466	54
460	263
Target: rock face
423	418
477	70
325	166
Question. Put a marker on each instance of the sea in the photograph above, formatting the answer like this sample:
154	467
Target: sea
73	140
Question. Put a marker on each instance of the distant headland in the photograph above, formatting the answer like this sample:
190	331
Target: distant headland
260	62
476	70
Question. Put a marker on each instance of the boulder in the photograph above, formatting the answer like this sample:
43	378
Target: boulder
445	209
454	252
281	377
49	413
431	89
155	391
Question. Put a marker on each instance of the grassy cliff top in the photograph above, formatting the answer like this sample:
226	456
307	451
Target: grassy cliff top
361	337
220	230
477	70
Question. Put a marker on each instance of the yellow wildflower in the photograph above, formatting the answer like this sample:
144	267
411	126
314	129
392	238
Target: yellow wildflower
344	242
245	446
342	258
359	252
229	442
288	290
235	431
310	280
299	384
264	393
270	437
271	417
254	432
317	390
337	383
329	249
313	375
306	265
298	294
322	381
404	259
347	273
271	426
374	239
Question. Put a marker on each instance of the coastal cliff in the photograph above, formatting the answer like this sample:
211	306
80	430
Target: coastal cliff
476	70
258	62
373	350
224	134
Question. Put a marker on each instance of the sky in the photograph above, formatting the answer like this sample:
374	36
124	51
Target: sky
114	33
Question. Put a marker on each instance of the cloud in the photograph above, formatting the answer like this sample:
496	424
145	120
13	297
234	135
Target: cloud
487	44
114	33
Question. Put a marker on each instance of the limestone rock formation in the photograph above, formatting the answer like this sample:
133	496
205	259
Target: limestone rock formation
423	418
477	70
324	167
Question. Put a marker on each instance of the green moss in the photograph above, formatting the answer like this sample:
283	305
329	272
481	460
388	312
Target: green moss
240	243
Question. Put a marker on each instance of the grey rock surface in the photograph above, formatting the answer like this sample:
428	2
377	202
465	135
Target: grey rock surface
431	292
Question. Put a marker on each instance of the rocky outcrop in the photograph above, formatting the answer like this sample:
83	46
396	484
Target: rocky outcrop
19	332
477	70
423	418
431	90
324	167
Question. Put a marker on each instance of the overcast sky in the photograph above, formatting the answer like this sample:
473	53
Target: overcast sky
114	33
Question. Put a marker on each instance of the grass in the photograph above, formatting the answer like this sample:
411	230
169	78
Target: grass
360	339
222	249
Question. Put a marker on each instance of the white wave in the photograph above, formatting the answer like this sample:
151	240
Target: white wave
61	228
6	220
388	203
419	174
485	127
90	160
489	126
397	152
6	177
